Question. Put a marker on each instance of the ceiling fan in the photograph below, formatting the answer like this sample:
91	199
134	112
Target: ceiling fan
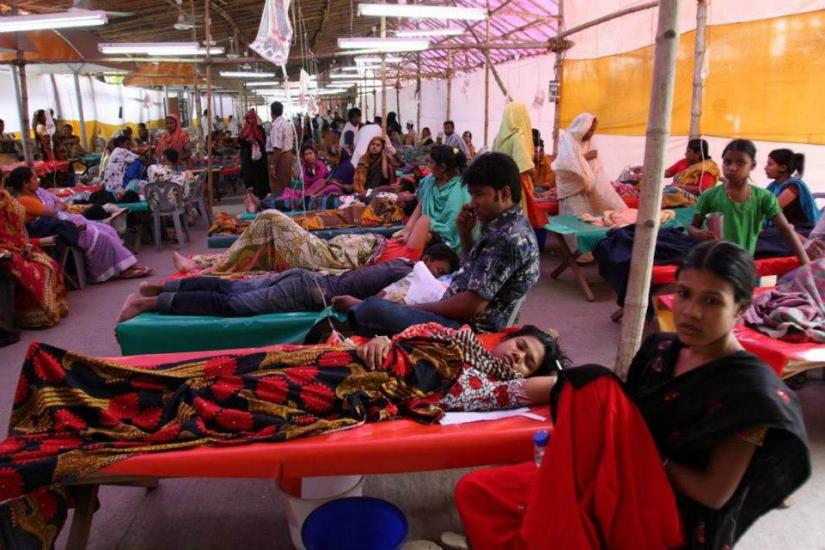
92	5
185	22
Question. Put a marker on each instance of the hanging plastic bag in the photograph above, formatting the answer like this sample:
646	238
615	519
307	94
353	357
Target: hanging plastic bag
256	152
275	32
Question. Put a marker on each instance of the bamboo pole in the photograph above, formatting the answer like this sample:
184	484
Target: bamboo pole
22	90
23	118
486	50
418	96
647	226
449	85
558	70
196	102
610	17
210	177
487	79
698	66
384	80
165	101
83	136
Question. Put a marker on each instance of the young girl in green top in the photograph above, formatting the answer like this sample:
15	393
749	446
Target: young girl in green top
745	207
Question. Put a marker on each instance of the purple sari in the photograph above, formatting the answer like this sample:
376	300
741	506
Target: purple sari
106	256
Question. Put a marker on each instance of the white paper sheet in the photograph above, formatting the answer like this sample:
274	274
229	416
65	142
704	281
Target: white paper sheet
452	418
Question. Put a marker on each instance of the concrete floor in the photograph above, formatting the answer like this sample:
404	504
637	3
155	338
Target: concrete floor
216	514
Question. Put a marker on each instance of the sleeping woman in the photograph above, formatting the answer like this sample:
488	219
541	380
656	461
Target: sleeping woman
110	410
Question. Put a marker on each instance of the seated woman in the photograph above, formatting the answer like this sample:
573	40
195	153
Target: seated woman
114	175
39	297
467	137
375	169
174	138
426	137
786	169
314	173
441	196
745	207
580	183
105	255
696	173
701	440
292	290
270	395
275	242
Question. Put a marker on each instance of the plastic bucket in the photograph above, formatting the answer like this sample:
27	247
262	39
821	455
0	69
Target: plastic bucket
358	523
315	492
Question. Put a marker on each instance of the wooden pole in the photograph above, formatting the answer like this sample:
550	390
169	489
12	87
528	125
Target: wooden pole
486	50
83	136
647	226
165	101
210	176
449	85
197	95
487	79
558	71
418	96
384	80
22	96
698	66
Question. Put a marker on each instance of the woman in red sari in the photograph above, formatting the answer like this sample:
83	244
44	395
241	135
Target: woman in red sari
174	138
40	297
701	440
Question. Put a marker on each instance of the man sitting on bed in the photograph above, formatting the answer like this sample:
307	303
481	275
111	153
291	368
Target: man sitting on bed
292	290
496	271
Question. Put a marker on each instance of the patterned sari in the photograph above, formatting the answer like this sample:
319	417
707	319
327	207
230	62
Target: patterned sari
40	300
275	242
76	414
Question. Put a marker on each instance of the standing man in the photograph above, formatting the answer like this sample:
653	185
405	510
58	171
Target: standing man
280	144
452	139
347	140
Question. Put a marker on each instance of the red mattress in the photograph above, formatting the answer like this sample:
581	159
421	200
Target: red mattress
776	353
384	447
231	171
666	274
40	167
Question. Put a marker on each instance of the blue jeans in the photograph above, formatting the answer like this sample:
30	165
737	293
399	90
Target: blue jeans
293	290
375	316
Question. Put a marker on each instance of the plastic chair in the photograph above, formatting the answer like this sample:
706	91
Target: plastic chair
165	199
197	198
819	199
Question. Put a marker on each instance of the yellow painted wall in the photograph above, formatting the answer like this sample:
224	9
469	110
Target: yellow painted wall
766	82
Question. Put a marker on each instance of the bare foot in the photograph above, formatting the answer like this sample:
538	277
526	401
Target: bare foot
150	289
134	306
251	202
344	303
184	264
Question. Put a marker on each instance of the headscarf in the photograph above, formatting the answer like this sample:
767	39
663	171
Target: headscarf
572	149
515	136
251	130
177	139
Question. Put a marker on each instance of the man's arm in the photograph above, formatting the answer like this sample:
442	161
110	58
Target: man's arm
461	307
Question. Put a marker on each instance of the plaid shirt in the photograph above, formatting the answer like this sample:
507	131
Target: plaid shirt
501	268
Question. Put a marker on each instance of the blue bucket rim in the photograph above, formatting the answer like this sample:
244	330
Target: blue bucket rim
386	503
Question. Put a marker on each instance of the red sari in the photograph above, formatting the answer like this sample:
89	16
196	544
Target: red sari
40	300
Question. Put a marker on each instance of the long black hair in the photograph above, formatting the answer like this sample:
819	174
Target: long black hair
18	178
794	162
730	262
452	157
554	357
700	146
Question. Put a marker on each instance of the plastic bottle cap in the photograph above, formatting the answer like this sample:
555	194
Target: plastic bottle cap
541	438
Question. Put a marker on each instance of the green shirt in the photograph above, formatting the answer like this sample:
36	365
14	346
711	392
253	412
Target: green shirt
743	221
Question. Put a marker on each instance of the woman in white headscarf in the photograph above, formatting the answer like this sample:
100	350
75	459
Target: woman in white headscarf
580	182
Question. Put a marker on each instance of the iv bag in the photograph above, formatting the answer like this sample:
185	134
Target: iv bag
275	32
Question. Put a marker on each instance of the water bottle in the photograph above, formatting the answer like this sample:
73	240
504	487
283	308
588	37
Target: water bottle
540	440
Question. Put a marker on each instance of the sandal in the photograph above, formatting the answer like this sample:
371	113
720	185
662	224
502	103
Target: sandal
137	272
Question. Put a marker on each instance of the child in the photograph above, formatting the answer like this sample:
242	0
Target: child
745	207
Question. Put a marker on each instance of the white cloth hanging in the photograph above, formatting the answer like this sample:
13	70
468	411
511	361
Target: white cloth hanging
275	32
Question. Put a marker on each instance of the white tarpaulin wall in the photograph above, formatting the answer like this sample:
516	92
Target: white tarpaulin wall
106	107
630	33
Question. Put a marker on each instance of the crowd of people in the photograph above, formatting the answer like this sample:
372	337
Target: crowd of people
702	439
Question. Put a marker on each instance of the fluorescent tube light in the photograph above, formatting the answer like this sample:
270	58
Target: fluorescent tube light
312	84
59	20
422	12
425	33
384	44
156	48
246	74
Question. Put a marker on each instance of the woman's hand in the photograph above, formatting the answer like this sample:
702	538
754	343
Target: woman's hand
375	352
401	236
590	155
